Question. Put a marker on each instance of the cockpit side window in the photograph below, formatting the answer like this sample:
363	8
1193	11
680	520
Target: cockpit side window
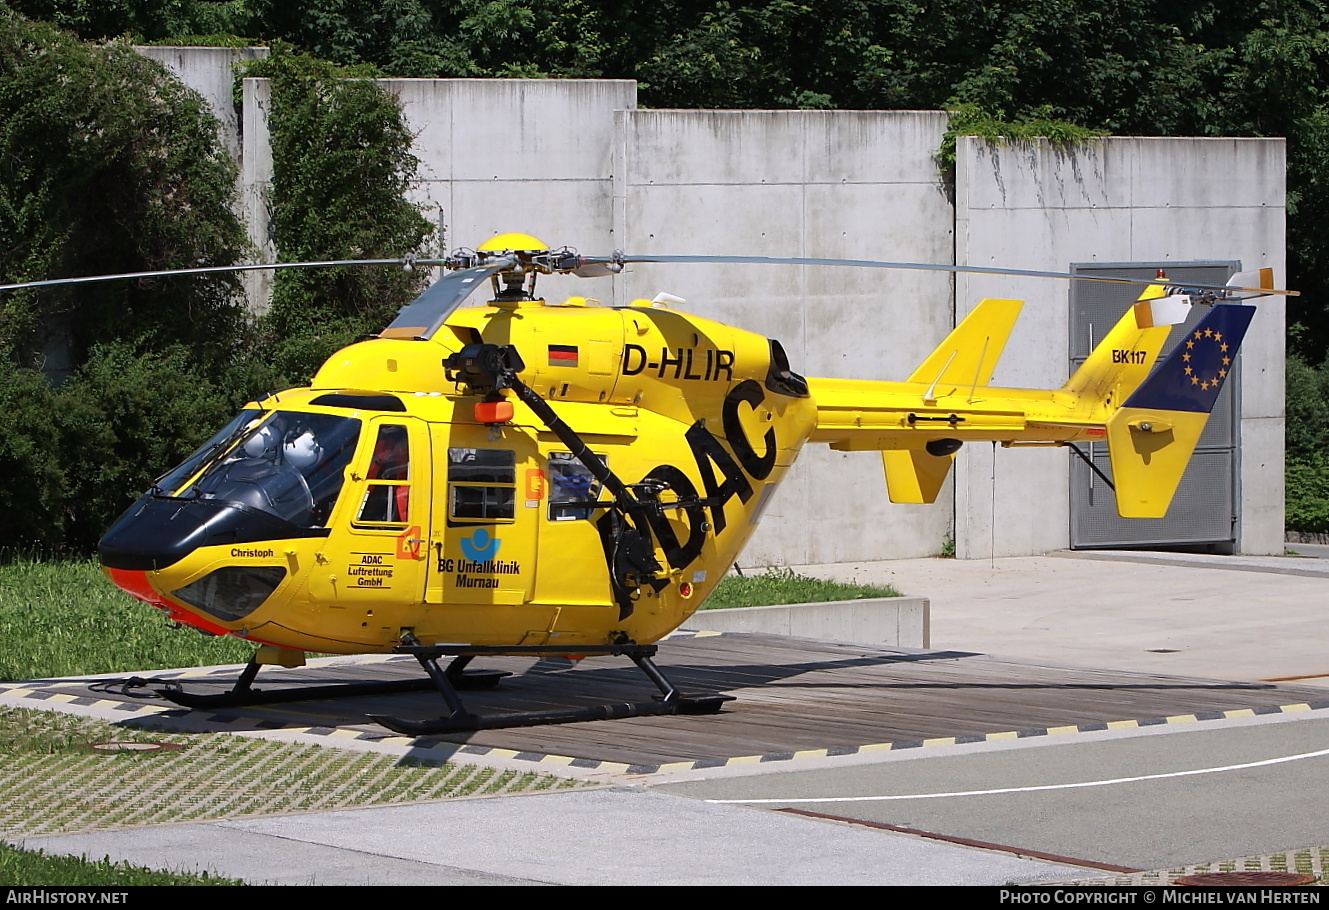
482	484
387	495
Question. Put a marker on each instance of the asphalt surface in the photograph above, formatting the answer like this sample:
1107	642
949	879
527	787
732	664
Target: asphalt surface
1055	808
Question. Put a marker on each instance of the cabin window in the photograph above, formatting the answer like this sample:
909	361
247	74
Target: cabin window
573	489
388	492
482	484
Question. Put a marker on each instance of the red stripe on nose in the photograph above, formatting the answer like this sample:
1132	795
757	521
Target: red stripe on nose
135	583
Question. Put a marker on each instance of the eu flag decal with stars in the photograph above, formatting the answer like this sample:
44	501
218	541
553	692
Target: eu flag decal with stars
1193	373
562	355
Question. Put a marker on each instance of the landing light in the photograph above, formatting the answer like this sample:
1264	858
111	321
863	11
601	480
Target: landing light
493	411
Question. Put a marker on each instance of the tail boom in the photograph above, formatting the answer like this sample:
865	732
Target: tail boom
1150	414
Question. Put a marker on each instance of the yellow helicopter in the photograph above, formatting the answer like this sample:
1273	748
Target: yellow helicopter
568	479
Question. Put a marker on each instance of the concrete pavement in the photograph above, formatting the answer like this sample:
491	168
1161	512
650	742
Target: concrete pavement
1223	617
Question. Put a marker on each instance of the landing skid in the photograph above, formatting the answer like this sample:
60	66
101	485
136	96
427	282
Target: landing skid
242	694
457	678
459	720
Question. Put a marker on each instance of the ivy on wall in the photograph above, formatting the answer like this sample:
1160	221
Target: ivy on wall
342	165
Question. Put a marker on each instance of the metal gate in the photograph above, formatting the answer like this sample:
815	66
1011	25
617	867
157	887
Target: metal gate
1203	510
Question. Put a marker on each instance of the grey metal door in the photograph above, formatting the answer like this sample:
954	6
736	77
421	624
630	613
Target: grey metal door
1203	509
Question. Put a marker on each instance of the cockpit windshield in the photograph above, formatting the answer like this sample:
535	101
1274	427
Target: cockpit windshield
291	465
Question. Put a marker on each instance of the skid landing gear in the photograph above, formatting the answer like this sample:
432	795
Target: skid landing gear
455	678
459	720
242	694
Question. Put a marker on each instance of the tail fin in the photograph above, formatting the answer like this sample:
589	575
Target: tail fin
966	358
1122	360
1152	435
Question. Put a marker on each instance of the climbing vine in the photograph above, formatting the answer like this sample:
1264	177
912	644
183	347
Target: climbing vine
342	166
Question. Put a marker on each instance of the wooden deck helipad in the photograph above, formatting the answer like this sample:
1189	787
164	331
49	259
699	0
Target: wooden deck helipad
792	695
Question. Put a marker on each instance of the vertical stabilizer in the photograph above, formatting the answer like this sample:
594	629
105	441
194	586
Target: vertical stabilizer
1122	360
1152	435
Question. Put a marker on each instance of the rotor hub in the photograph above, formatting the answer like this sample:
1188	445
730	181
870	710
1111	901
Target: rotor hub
517	243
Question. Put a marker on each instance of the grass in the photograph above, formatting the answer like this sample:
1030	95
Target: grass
54	782
34	867
203	776
65	618
784	586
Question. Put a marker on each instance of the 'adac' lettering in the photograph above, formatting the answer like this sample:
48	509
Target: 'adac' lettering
723	476
706	449
759	466
662	527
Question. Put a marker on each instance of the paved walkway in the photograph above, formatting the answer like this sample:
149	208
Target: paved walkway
1222	617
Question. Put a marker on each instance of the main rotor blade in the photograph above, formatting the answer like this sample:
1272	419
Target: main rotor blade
204	270
933	267
423	316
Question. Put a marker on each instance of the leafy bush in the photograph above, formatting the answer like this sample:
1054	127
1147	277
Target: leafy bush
342	163
1307	447
34	482
109	164
78	455
1307	499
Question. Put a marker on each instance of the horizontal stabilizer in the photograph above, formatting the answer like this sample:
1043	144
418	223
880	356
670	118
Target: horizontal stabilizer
970	352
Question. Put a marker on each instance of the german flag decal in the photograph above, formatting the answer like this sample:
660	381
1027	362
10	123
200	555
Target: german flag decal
562	355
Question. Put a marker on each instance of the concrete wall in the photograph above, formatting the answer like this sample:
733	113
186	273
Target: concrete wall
811	184
529	155
210	71
1118	200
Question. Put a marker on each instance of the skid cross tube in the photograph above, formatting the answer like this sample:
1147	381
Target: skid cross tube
459	720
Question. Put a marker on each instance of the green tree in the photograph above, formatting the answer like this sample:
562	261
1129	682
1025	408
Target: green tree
341	167
107	164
